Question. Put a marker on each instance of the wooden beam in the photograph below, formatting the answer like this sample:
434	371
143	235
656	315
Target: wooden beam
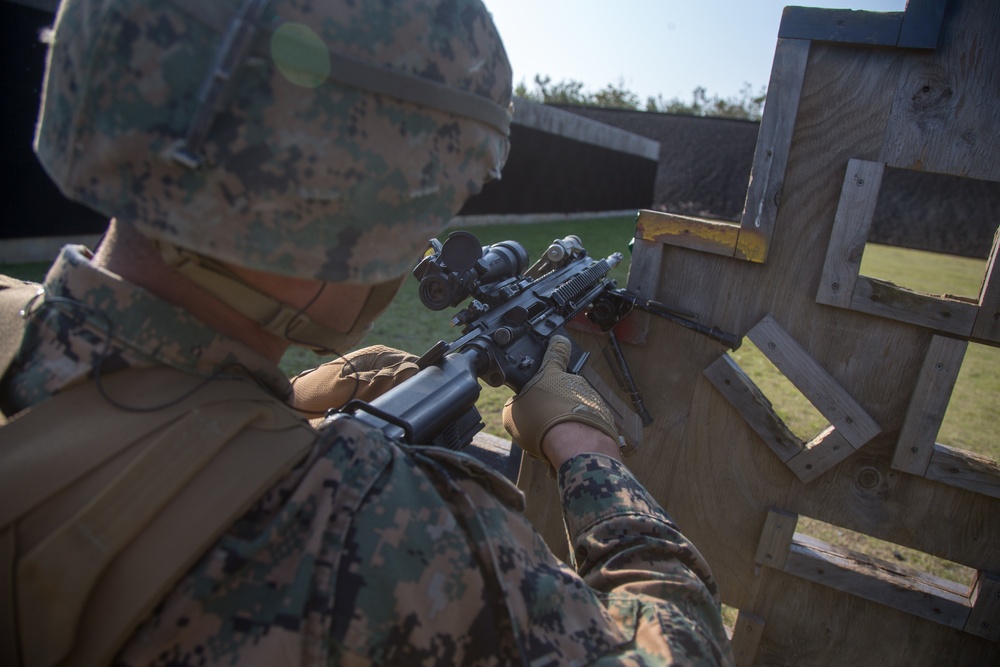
966	470
747	633
776	538
987	327
954	315
737	387
841	25
880	581
688	232
823	391
921	26
643	280
947	104
853	220
984	620
928	404
825	451
774	140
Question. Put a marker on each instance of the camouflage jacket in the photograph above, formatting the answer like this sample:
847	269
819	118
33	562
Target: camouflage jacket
370	552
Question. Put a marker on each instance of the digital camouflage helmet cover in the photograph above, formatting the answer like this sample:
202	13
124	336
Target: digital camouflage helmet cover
325	140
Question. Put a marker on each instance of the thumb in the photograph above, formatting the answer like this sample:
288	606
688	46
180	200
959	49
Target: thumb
557	353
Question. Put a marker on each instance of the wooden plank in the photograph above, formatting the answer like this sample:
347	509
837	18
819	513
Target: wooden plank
851	225
688	232
850	419
987	326
841	25
776	538
727	376
747	632
928	404
879	581
774	139
984	620
948	315
643	279
966	470
921	24
825	451
644	269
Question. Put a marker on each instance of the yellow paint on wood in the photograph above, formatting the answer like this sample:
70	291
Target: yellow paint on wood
695	233
752	245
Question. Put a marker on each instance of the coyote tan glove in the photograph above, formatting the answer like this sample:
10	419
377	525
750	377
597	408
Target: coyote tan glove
364	374
551	397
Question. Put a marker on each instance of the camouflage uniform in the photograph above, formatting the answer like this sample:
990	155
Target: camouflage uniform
368	552
374	553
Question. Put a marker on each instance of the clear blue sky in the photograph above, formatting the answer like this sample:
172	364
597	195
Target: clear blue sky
654	47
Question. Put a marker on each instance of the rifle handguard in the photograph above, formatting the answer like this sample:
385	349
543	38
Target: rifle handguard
552	397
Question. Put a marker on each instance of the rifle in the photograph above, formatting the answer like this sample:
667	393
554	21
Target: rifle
514	312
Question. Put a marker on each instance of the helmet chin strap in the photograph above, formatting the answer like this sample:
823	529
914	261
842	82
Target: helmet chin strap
274	316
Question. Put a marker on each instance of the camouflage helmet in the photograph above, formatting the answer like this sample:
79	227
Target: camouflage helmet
325	140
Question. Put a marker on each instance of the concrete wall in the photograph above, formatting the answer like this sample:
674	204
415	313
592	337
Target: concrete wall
704	162
562	162
32	205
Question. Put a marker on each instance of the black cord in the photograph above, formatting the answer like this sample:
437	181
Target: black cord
322	350
105	354
220	373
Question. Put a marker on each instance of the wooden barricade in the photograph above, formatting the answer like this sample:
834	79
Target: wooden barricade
851	95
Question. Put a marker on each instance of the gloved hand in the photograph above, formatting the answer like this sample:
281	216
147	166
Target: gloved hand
551	397
364	374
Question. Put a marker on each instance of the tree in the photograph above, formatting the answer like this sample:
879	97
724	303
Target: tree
748	104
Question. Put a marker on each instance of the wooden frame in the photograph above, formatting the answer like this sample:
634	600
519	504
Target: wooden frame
851	427
974	609
917	28
750	239
917	450
842	284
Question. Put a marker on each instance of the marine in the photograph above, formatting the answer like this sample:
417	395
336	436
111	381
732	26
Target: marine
271	171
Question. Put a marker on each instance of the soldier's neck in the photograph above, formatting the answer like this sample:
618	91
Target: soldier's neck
127	253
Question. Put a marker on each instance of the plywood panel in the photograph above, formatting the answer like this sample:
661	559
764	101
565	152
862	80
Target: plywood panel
746	478
947	103
852	631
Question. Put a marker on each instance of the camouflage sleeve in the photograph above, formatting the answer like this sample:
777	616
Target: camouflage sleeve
625	545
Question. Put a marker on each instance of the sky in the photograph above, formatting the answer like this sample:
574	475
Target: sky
654	47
